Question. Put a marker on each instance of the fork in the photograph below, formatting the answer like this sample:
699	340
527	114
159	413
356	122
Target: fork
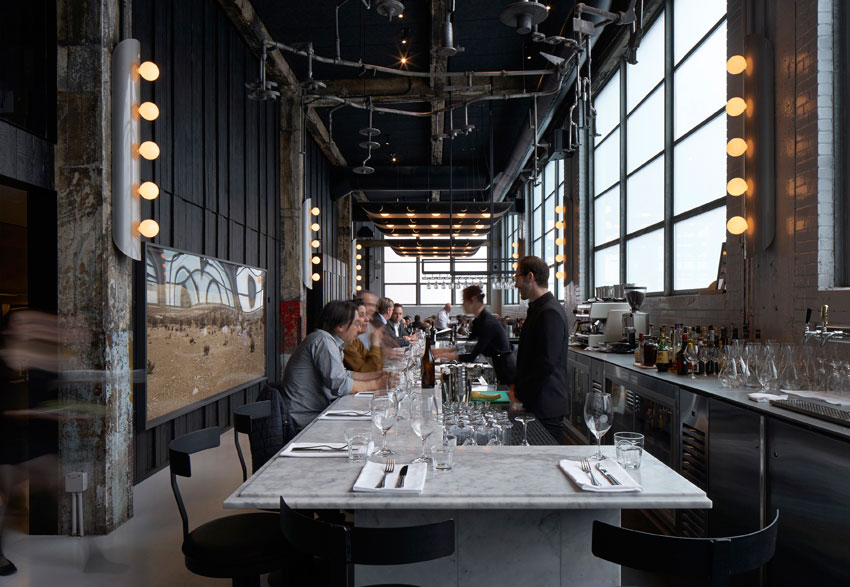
585	466
388	468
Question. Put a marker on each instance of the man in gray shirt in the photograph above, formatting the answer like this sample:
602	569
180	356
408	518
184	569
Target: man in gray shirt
315	375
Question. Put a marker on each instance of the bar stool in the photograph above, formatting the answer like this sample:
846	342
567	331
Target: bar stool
240	547
344	546
711	559
243	422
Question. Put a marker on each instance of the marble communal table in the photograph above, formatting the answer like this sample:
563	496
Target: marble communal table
519	519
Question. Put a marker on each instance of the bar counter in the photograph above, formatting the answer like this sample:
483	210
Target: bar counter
519	519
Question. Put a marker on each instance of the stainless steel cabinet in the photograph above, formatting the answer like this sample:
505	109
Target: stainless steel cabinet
807	480
580	382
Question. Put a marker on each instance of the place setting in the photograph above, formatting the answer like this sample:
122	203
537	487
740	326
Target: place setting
599	473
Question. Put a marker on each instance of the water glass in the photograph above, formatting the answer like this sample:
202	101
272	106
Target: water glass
629	449
358	440
442	456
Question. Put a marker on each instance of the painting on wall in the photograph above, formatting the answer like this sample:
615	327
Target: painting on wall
206	328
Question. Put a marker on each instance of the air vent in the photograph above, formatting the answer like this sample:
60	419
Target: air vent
692	523
693	458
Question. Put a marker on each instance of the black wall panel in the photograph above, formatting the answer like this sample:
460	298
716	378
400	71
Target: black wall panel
217	172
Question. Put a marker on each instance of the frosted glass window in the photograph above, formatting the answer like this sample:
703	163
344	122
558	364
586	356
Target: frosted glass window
401	294
549	214
433	265
607	104
700	84
649	70
692	19
606	163
606	266
561	176
697	243
699	166
400	272
645	261
391	257
537	229
549	247
645	131
550	182
432	295
606	217
477	262
645	196
538	248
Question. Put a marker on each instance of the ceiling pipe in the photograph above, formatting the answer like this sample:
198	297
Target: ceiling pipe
406	181
547	106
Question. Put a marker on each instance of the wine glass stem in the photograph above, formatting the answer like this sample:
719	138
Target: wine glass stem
599	448
423	447
525	432
383	440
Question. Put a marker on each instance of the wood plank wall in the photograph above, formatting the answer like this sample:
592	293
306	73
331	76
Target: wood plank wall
217	173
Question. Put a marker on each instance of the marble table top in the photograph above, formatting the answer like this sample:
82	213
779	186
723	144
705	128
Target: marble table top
486	477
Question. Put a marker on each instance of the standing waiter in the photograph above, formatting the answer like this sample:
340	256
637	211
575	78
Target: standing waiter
541	379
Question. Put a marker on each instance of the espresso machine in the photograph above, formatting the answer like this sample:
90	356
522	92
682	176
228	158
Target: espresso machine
598	322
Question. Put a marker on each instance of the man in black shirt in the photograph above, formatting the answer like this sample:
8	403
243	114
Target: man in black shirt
541	380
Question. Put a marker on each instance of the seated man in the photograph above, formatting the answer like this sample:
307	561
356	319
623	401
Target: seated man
396	327
315	374
356	356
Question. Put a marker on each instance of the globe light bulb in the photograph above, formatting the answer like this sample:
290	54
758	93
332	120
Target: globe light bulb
736	64
148	111
559	241
735	106
560	274
737	225
315	227
559	258
316	277
315	244
316	260
515	245
737	186
148	228
359	246
559	209
358	288
358	256
559	225
358	267
359	277
149	71
515	255
736	147
149	150
149	190
315	211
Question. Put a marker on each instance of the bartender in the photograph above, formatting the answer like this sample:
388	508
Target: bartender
492	341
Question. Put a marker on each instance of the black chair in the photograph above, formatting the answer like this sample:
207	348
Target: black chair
243	422
711	559
341	547
240	547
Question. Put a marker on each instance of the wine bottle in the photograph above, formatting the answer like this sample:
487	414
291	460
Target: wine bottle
662	360
681	361
429	378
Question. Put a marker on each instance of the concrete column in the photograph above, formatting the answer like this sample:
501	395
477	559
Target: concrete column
292	292
344	232
95	279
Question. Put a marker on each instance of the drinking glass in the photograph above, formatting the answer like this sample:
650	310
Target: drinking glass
728	374
598	415
423	420
525	418
384	412
692	356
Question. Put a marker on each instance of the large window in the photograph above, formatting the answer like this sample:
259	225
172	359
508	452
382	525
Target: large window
410	281
659	166
510	236
547	228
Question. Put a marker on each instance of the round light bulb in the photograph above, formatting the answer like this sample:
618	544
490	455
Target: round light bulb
736	147
559	225
358	288
358	267
315	227
316	260
514	265
316	277
559	209
359	246
149	71
149	150
315	244
560	274
149	190
515	255
737	225
315	211
515	245
359	277
735	106
358	256
737	186
148	228
559	258
559	241
736	64
148	111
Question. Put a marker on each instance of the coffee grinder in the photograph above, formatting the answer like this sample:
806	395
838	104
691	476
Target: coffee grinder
635	322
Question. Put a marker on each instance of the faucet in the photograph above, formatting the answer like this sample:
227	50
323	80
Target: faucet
822	331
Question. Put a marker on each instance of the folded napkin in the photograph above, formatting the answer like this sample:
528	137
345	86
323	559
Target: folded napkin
346	415
580	478
372	472
763	398
316	449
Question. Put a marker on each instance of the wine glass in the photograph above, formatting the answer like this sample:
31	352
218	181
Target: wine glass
598	415
384	412
423	420
525	418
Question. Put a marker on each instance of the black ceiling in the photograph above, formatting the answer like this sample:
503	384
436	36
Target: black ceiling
367	36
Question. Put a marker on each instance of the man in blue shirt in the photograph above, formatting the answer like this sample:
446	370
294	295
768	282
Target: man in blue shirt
315	375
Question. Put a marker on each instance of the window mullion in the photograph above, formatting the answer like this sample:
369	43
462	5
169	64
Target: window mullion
623	141
668	147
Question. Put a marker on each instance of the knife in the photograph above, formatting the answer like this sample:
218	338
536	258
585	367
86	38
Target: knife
608	475
401	476
348	414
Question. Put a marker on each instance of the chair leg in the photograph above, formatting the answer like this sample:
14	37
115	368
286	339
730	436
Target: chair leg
246	581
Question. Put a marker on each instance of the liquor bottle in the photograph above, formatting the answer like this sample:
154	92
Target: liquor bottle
429	378
724	336
639	350
662	360
734	332
650	352
681	361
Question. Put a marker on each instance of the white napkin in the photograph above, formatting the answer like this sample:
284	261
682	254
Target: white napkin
364	394
319	449
763	398
580	478
344	415
372	472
